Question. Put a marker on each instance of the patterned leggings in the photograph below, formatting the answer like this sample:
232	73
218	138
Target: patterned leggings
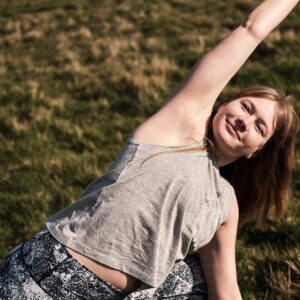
42	269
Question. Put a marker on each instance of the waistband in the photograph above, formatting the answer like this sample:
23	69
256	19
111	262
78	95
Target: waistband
59	274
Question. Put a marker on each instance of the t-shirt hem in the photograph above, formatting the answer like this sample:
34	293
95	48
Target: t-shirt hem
119	263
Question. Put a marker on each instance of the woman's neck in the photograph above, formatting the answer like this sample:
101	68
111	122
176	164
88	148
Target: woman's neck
221	158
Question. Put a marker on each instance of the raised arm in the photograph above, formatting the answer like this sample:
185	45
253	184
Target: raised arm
185	114
214	70
218	260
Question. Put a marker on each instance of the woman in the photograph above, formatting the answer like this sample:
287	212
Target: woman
134	231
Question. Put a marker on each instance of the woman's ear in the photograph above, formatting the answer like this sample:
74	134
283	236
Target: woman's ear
249	155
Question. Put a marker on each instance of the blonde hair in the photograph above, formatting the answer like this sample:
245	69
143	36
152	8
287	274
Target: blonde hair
262	183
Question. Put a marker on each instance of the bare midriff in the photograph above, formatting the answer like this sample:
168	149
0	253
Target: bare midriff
122	281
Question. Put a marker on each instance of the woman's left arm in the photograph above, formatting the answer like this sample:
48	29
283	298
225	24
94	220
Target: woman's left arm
218	260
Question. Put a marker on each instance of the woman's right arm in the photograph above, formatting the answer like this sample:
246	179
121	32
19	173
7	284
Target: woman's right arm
189	106
214	70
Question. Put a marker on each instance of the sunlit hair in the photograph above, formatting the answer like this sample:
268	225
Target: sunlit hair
262	183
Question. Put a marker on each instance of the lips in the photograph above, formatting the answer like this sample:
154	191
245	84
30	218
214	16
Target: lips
232	130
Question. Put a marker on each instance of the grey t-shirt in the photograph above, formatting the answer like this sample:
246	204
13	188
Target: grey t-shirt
143	215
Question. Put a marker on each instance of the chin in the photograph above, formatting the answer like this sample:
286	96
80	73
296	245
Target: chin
226	144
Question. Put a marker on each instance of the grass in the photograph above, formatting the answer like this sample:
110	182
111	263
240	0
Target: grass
76	77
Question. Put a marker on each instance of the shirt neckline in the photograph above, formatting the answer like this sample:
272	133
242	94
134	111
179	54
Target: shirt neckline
196	143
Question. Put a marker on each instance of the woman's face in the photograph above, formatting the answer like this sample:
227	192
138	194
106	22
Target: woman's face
242	126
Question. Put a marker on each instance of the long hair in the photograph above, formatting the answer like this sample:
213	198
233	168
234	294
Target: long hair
262	183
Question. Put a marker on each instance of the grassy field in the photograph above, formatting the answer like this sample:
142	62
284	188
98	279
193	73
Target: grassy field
76	77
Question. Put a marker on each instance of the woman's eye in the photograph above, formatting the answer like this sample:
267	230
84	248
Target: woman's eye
246	107
260	129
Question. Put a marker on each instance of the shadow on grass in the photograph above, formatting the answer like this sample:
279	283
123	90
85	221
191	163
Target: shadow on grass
280	235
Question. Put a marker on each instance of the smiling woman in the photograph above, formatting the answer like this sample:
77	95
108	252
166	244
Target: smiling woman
241	127
161	223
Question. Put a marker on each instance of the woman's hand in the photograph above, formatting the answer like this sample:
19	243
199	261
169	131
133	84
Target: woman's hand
218	260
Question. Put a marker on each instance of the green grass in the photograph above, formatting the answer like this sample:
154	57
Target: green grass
76	77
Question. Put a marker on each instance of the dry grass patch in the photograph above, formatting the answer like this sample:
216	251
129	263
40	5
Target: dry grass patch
113	47
156	44
123	25
81	33
290	36
193	41
273	37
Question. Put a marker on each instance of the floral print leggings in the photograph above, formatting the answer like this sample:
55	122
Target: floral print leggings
43	269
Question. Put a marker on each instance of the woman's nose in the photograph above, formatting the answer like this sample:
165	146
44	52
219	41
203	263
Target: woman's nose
242	124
